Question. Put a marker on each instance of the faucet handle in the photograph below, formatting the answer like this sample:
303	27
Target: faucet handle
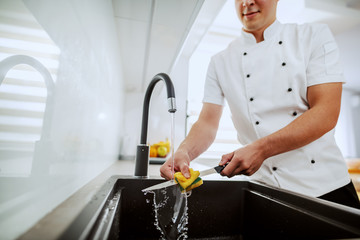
142	160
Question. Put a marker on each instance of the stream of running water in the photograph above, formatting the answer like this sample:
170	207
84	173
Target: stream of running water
170	205
171	212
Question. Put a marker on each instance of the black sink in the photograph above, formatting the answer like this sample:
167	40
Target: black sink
217	210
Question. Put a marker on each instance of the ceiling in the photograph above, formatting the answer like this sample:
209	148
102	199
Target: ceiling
152	34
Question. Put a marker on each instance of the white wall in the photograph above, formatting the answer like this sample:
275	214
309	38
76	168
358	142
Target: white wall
347	129
159	125
88	105
348	42
348	136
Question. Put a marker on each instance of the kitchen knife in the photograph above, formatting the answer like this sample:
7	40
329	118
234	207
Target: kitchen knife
172	182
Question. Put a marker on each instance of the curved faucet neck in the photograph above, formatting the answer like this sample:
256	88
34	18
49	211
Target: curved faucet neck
171	98
142	152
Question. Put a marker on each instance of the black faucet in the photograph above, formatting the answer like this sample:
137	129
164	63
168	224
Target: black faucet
142	151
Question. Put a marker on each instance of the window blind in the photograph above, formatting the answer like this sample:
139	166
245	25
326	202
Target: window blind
23	91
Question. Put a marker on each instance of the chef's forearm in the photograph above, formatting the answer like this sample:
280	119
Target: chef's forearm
203	132
304	130
200	137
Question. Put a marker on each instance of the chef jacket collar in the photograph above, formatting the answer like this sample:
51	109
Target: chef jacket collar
268	33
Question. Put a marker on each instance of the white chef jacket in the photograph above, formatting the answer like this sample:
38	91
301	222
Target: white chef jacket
265	86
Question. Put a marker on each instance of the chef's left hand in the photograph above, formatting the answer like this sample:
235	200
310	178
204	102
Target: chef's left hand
246	160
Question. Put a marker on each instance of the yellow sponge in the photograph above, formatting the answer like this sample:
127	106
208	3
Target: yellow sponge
188	183
195	184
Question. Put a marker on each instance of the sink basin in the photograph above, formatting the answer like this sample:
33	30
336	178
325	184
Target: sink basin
217	210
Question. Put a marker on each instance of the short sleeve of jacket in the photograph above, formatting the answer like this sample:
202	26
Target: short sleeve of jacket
324	64
212	90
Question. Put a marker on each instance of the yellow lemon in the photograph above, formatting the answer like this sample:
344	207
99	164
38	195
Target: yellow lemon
161	151
167	145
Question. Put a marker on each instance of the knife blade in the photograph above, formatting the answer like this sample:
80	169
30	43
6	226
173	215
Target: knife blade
172	182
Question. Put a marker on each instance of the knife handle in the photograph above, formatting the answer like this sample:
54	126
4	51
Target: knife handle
218	169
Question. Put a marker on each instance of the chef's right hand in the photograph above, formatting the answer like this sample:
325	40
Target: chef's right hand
181	163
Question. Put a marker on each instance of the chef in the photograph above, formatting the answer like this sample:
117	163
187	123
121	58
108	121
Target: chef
283	85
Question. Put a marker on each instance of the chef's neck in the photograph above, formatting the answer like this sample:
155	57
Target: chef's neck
258	33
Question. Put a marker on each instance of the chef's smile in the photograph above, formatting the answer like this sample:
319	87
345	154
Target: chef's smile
250	14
